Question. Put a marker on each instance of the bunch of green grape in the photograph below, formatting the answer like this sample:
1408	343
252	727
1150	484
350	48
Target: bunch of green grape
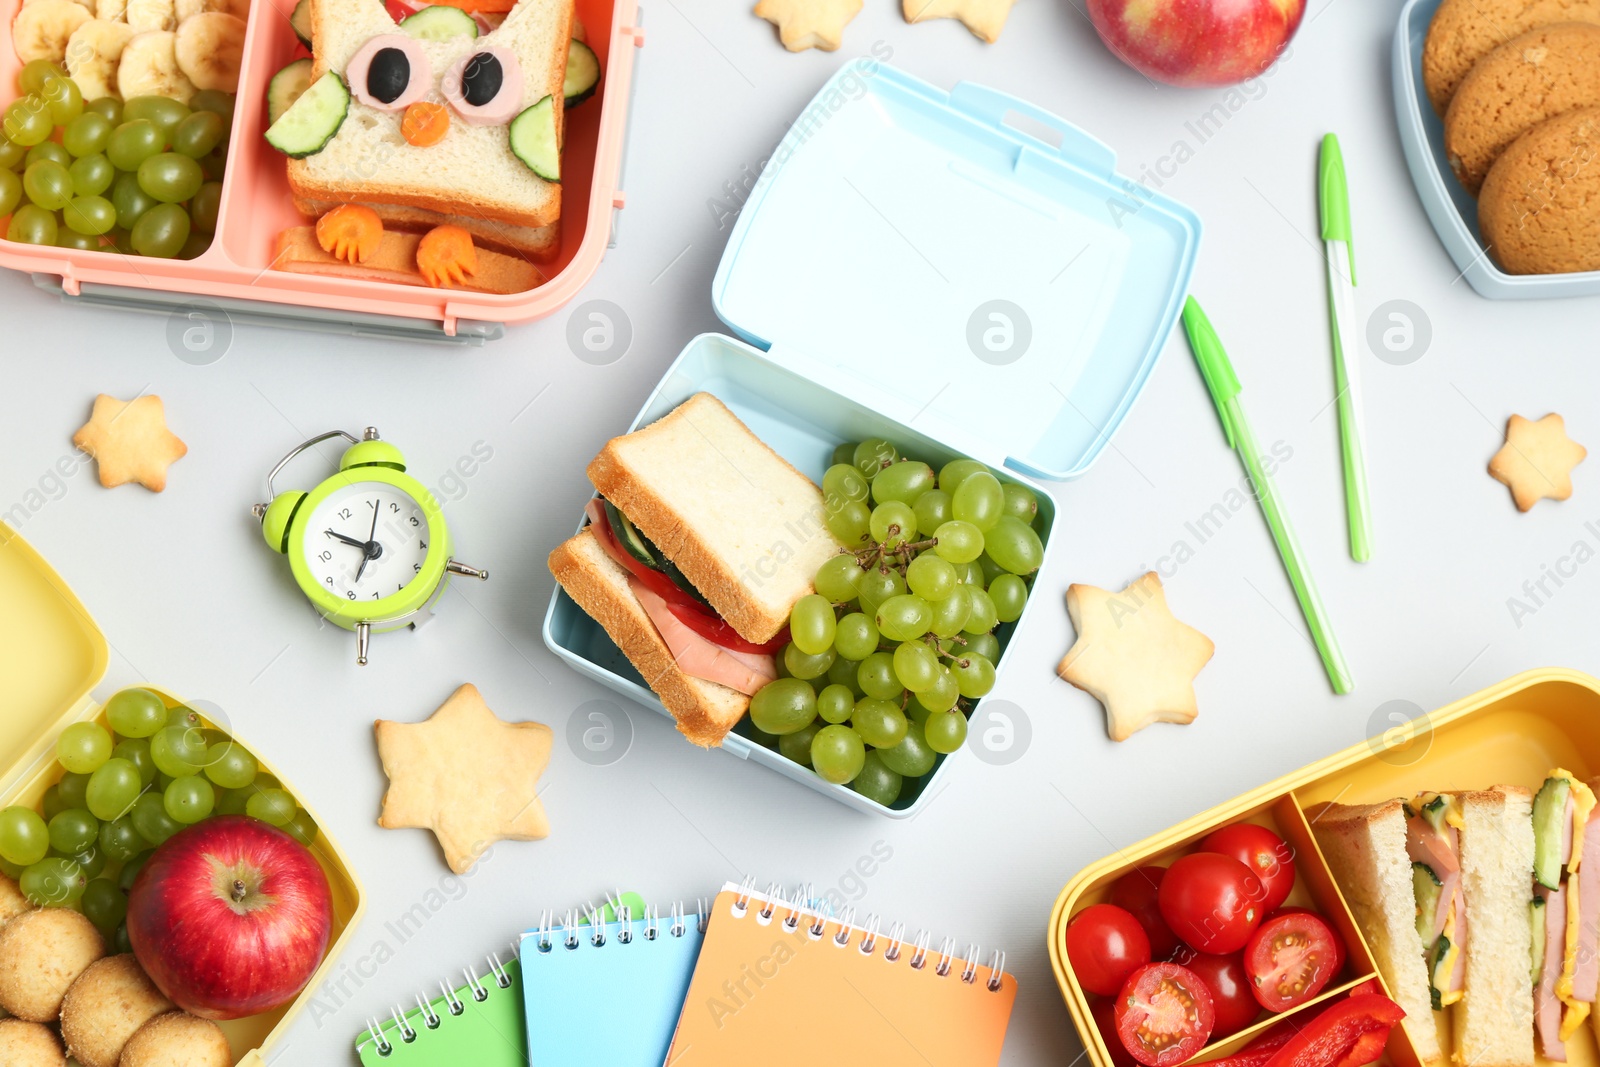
887	657
123	792
142	176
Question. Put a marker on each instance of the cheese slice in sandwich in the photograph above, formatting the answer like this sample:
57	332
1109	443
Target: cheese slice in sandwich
1493	1022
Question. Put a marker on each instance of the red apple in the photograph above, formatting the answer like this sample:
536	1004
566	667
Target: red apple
1197	42
230	917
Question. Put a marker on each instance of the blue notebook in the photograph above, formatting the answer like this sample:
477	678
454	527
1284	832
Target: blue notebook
576	973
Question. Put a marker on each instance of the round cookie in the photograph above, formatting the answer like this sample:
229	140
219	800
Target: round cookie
1464	31
1543	73
106	1006
1539	209
25	1044
41	955
177	1039
12	902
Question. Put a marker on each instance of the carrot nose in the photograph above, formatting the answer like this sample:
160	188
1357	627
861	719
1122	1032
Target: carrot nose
425	123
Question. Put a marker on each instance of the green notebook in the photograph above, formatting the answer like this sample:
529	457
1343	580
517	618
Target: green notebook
482	1023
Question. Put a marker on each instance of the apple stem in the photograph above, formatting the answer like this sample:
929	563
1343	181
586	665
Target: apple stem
239	891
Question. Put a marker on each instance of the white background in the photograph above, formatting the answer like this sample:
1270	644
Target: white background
191	599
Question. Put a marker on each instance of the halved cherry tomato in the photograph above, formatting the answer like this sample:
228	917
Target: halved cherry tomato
1337	965
1104	945
1104	1010
1164	1014
1210	901
1264	852
1290	959
1234	1003
1135	893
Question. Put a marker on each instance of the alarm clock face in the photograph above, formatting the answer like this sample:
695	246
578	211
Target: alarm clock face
366	541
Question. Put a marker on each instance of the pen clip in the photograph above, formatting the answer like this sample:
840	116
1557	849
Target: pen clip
1213	359
1333	198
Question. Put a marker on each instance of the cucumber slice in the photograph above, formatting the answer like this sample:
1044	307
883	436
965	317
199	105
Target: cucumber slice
583	73
300	20
1426	885
1536	923
440	23
287	86
1434	811
534	139
632	541
1440	964
311	121
1549	829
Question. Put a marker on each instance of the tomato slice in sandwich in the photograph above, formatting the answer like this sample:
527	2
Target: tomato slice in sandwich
1164	1014
1291	958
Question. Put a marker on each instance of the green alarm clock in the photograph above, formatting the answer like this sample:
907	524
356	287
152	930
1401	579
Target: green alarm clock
368	547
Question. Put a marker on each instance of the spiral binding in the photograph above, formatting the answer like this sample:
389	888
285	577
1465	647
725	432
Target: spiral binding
403	1028
802	909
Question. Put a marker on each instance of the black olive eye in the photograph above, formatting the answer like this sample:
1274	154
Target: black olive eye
388	75
481	80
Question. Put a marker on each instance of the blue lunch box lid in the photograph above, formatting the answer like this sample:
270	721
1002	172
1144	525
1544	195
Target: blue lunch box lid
915	250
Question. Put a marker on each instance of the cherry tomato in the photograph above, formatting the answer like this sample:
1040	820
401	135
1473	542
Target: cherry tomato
1264	852
1290	959
1105	1018
1164	1014
1104	945
1234	1003
1338	948
1209	900
1135	893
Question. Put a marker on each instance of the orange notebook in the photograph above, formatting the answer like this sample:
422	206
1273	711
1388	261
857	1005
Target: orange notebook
777	984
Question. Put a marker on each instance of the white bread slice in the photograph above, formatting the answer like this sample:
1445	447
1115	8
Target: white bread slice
1365	846
705	711
744	526
537	243
1494	1020
472	171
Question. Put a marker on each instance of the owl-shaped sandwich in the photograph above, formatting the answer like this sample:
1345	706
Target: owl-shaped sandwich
438	127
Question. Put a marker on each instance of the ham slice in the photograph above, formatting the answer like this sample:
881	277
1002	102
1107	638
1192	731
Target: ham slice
1546	1006
1586	979
1438	850
1458	974
699	658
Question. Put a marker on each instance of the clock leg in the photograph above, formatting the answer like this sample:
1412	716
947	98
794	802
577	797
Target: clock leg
363	641
470	572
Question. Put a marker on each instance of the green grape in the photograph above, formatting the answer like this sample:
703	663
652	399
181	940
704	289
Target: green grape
942	694
87	135
911	757
24	836
233	801
119	941
277	807
958	542
131	869
83	242
812	624
136	750
1009	595
27	121
837	753
215	165
91	861
64	97
978	500
53	882
83	747
161	112
797	746
178	750
880	723
108	108
950	614
872	455
120	841
170	177
842	482
10	191
904	481
105	906
837	577
985	645
132	143
931	577
113	788
877	678
47	150
90	215
164	780
945	731
267	781
1015	546
189	799
303	828
762	738
983	615
843	672
849	522
916	665
150	818
1020	503
974	675
73	830
50	804
876	781
35	72
91	176
855	636
12	155
185	717
784	706
844	453
195	245
131	204
807	667
198	134
932	510
893	523
229	765
215	101
952	474
73	789
972	573
988	569
835	704
48	184
904	617
136	712
878	585
203	210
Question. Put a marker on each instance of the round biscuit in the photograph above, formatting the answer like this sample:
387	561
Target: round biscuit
25	1044
1464	31
106	1006
12	902
41	954
177	1039
1539	209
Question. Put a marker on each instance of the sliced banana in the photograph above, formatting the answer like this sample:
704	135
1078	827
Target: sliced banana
112	10
149	67
42	29
148	16
92	55
210	47
188	9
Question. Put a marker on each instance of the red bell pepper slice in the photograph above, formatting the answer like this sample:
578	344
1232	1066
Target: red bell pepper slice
1351	1033
1259	1051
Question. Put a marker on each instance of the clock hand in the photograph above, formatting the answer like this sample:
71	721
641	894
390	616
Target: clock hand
347	540
371	544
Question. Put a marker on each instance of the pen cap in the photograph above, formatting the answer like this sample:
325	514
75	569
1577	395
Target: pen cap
1333	198
1213	360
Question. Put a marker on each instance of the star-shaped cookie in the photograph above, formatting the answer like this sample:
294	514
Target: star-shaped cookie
465	775
130	441
806	24
985	18
1133	656
1537	460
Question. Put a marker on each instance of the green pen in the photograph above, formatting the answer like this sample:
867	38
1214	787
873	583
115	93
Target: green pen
1333	198
1225	389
